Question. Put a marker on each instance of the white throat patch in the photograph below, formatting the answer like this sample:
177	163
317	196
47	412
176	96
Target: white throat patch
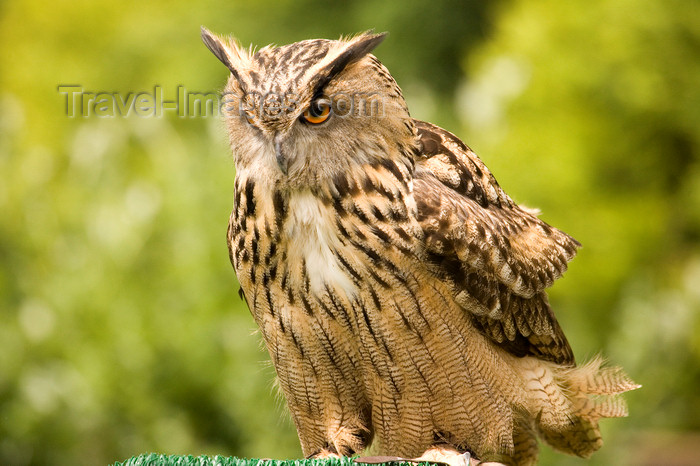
312	237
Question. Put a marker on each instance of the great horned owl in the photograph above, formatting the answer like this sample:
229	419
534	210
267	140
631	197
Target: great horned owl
400	292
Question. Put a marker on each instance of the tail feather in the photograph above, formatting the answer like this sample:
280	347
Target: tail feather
592	391
593	379
600	406
582	438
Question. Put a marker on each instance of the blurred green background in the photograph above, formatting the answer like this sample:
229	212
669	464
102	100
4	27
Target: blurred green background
121	331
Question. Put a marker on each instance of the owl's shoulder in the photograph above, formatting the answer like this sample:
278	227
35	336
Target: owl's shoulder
465	214
444	156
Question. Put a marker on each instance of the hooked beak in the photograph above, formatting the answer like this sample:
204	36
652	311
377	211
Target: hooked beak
281	157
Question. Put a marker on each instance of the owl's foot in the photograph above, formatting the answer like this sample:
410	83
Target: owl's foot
452	457
325	453
447	455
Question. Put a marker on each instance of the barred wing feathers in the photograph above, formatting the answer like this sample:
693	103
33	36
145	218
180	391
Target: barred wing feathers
500	256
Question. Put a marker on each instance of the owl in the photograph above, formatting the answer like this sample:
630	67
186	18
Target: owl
399	290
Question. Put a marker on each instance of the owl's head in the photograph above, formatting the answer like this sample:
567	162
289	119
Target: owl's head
306	111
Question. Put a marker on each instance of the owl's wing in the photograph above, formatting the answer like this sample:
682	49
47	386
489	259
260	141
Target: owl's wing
500	256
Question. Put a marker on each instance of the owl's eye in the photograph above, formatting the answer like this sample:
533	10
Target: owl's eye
250	117
318	112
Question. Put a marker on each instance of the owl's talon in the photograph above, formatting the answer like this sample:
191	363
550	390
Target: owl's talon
325	453
447	455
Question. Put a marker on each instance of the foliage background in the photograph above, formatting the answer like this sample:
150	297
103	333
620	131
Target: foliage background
120	328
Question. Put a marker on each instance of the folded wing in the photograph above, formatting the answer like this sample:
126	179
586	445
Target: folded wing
500	256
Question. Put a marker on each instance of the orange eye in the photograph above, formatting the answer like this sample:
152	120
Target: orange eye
317	113
249	116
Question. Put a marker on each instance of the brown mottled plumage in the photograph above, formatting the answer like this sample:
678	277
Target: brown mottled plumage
399	290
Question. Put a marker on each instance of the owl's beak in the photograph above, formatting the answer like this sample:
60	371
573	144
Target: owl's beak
281	157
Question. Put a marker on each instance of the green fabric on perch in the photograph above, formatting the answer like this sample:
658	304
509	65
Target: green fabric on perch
155	459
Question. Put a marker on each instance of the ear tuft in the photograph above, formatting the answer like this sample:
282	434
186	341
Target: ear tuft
214	44
353	50
229	54
364	43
